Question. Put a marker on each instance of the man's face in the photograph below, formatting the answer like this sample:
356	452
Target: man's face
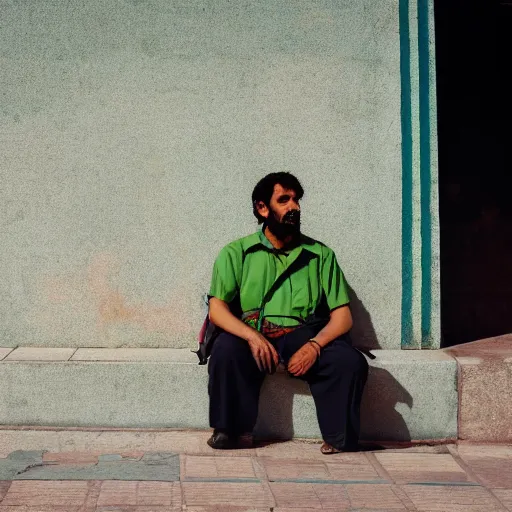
283	213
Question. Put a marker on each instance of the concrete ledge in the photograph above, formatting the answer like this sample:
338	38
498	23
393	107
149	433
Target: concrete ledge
410	394
135	354
485	389
40	354
4	352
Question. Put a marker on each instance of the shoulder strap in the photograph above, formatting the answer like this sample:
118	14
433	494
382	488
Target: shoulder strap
299	262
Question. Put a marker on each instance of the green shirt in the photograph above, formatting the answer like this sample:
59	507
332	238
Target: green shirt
247	268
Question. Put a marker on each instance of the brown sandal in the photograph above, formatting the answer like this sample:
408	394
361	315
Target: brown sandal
327	449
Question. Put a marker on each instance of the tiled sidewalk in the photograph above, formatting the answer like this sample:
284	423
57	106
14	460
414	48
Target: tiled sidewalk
281	477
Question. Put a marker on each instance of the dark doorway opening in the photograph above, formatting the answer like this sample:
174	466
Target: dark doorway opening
474	95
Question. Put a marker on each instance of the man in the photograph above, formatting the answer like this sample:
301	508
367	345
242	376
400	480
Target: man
281	298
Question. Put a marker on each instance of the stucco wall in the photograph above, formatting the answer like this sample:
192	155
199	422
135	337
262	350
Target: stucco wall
134	131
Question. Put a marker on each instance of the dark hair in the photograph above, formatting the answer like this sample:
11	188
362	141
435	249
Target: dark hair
265	188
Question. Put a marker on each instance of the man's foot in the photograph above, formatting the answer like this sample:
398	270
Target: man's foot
246	440
327	449
221	440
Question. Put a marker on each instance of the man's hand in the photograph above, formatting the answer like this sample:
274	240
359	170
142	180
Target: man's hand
263	352
303	359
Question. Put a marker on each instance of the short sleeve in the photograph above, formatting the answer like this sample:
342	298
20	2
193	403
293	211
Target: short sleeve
333	282
226	275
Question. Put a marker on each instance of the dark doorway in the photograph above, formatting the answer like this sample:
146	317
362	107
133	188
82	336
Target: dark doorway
474	91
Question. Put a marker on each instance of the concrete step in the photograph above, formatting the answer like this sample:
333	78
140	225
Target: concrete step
485	389
410	395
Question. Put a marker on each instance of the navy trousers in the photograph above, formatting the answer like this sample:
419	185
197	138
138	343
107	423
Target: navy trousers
336	381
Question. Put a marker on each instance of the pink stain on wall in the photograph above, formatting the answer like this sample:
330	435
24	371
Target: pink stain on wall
113	308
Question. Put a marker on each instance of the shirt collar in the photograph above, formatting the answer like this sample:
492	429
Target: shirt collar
259	238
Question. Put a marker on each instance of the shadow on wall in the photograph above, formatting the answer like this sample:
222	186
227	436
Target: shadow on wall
380	419
275	414
363	333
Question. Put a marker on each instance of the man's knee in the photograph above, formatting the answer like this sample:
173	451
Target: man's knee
348	359
229	348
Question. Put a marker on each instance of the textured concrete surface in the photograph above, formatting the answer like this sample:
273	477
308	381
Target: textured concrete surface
282	477
40	354
17	462
409	395
485	389
176	355
162	467
4	352
133	133
491	465
126	394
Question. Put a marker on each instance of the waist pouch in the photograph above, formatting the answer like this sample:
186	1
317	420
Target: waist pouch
209	331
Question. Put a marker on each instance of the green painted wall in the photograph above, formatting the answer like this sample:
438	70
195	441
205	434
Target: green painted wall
132	133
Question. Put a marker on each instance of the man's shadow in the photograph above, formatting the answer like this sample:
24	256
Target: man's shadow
380	421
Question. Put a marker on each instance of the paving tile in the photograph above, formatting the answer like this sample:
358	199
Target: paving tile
71	457
161	466
93	492
347	467
359	469
472	450
227	508
159	458
18	462
289	495
294	509
176	355
294	469
353	459
332	496
402	496
139	509
159	493
421	467
451	498
154	494
4	352
201	494
494	472
404	447
218	467
373	496
40	508
114	493
40	354
26	455
242	452
110	457
505	496
293	450
70	494
4	487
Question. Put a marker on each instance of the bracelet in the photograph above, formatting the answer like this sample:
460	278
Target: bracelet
318	344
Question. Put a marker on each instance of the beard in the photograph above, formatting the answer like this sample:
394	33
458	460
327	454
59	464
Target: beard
288	226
